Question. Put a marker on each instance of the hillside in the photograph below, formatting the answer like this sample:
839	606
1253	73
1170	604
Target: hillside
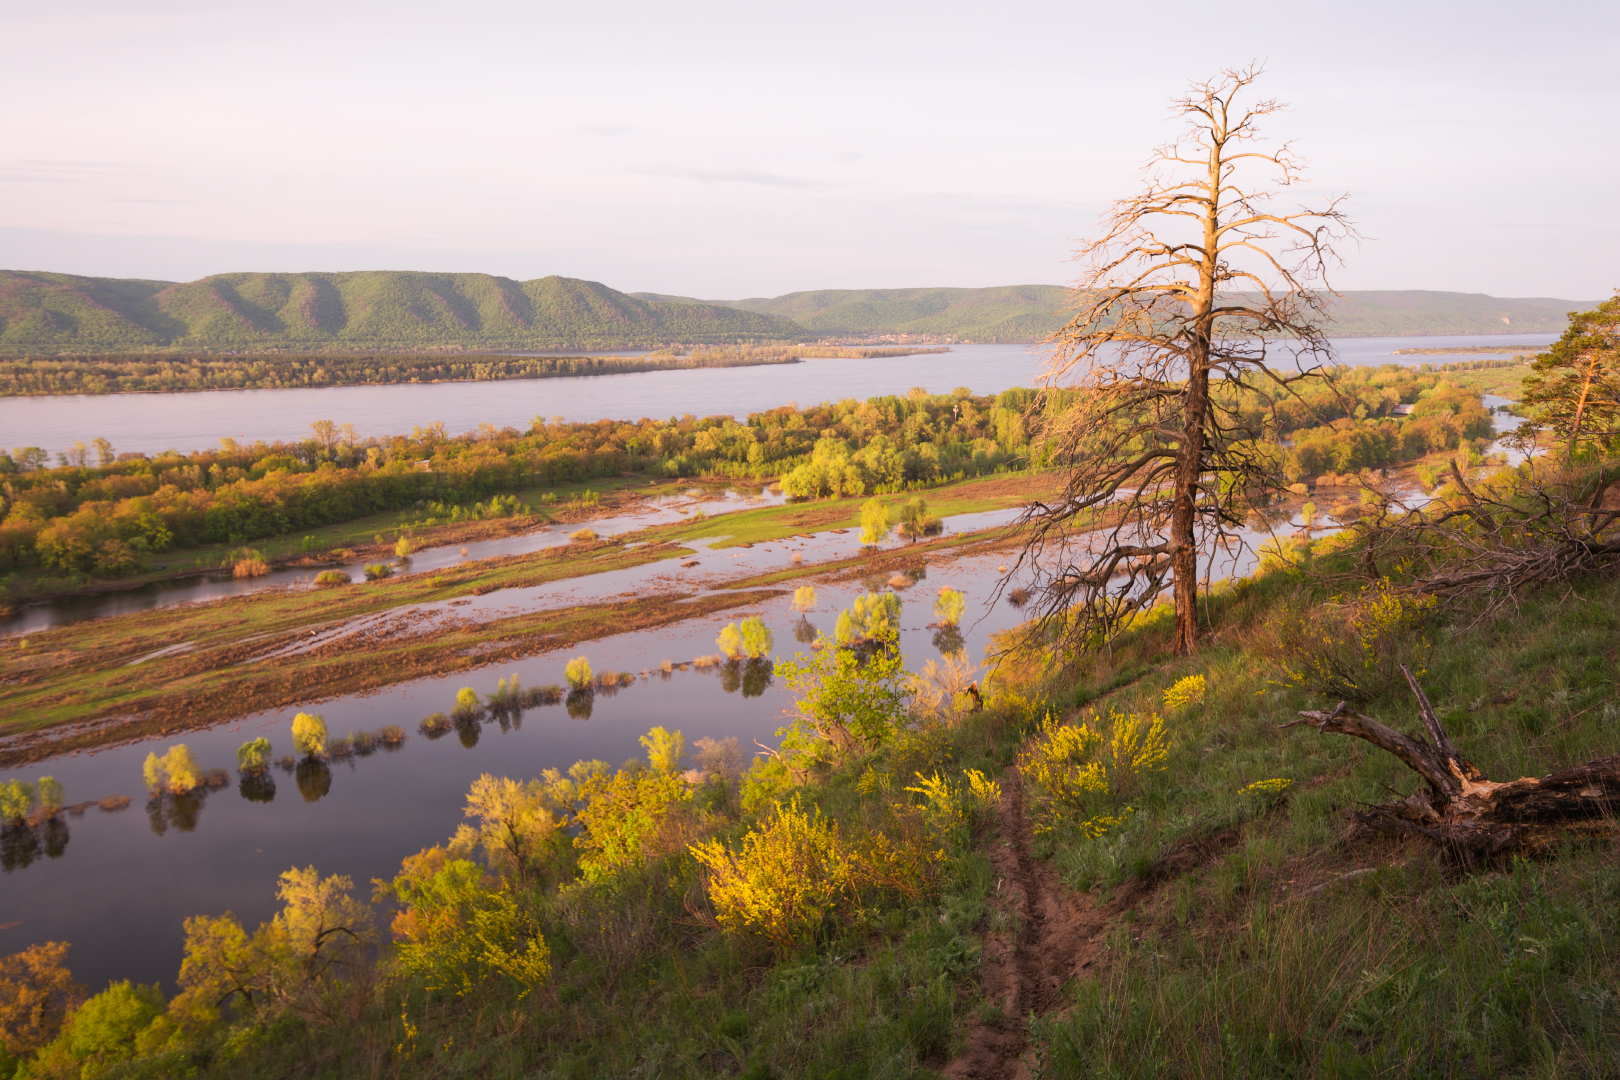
41	312
1032	312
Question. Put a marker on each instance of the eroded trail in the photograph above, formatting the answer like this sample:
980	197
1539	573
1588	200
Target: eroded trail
1050	934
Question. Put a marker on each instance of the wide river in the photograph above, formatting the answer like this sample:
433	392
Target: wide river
149	423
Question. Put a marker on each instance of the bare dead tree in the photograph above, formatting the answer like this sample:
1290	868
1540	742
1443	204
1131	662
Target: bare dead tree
1471	817
1200	287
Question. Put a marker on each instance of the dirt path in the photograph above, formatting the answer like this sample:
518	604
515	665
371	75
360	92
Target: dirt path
1053	934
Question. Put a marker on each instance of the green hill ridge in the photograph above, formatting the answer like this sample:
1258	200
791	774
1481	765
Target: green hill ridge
1034	312
414	311
360	310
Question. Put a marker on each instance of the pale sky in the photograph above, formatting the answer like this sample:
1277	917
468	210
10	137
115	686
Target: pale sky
725	150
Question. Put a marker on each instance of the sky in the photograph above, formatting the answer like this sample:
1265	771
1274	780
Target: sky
730	150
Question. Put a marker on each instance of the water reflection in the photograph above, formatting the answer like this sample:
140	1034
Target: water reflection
804	631
580	702
949	640
24	843
314	778
752	677
258	786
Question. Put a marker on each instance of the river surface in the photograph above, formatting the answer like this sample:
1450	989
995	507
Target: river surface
150	423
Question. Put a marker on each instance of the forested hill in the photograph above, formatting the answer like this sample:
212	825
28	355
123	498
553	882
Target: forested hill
1032	312
41	312
46	313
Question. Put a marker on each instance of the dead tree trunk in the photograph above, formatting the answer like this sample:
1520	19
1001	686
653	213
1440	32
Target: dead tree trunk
1471	817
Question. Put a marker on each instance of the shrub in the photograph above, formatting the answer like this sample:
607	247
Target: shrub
457	934
1353	650
949	607
245	568
37	993
915	520
751	640
955	807
403	548
378	571
253	756
621	813
804	598
872	617
176	772
326	579
1183	692
664	748
578	673
16	801
874	522
309	734
102	1032
796	869
1072	768
845	703
583	535
467	704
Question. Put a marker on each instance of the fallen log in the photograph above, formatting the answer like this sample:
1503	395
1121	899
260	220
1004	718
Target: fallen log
1471	817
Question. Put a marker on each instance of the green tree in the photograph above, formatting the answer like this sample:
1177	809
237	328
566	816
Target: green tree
516	825
874	522
1574	387
49	794
621	812
845	703
16	800
949	607
309	734
664	748
101	1033
176	772
578	673
253	756
872	617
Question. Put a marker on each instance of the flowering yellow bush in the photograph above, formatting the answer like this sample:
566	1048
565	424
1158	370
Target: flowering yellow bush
1071	768
1267	787
1188	691
796	868
948	805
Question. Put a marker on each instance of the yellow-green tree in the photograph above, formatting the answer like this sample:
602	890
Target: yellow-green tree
874	522
309	734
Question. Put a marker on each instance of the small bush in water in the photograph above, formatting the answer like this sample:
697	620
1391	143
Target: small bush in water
326	579
253	756
378	571
804	598
583	535
309	734
467	703
176	772
578	673
949	607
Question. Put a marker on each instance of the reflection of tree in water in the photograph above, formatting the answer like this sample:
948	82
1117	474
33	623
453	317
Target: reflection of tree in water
804	631
170	811
752	677
22	844
580	703
467	730
314	779
257	786
756	677
510	718
949	641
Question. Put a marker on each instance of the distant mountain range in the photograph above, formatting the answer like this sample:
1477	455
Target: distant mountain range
385	310
410	311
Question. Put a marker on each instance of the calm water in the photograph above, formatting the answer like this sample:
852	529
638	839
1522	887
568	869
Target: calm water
150	423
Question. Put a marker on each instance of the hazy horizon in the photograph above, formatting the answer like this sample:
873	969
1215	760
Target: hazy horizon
720	151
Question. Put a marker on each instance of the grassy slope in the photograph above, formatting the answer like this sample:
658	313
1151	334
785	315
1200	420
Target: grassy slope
372	309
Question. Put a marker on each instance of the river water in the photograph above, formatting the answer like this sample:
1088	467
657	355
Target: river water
150	423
